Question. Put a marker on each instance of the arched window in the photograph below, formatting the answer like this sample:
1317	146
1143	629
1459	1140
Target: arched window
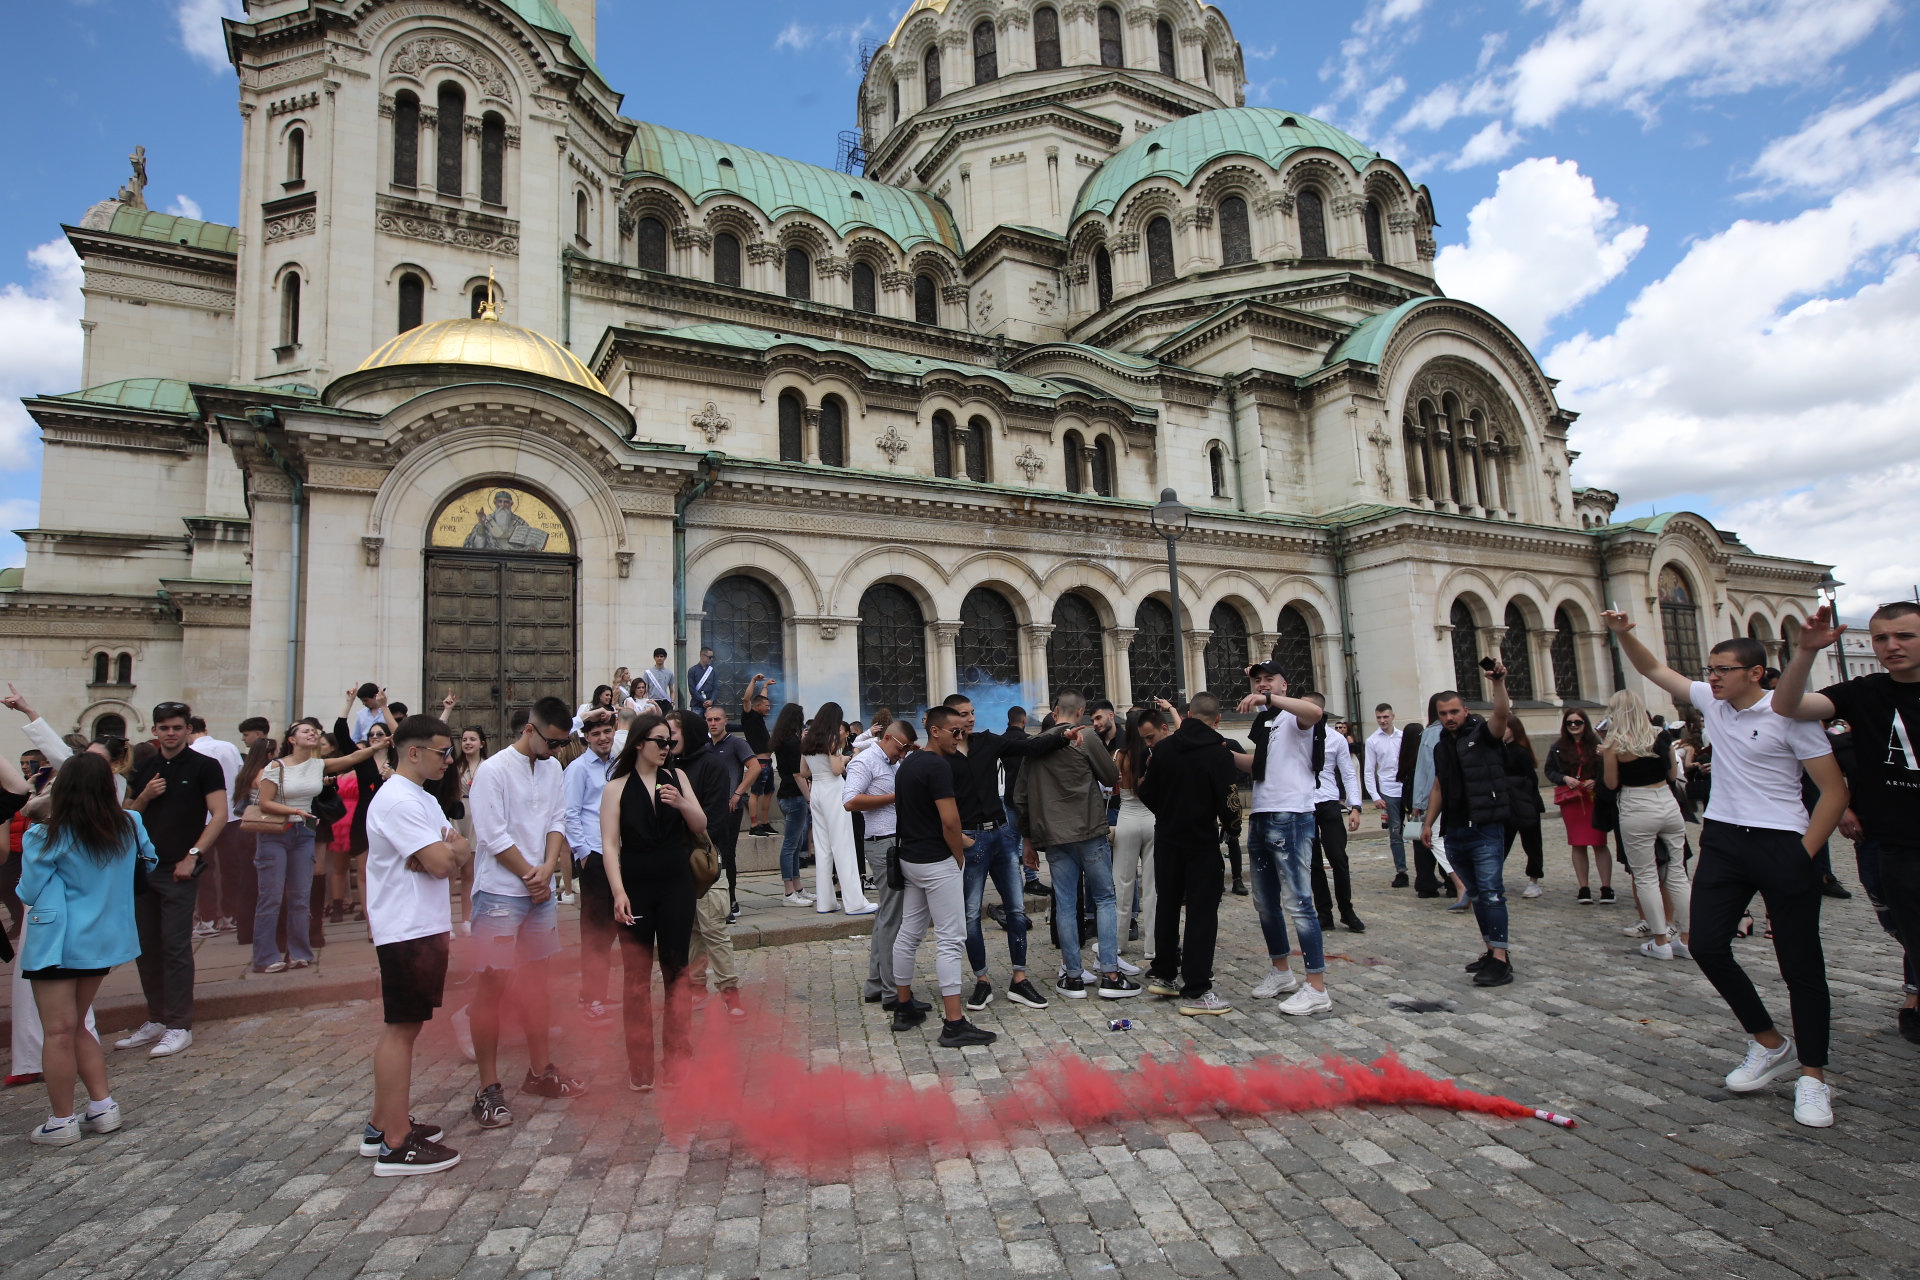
743	627
799	274
1466	651
926	299
833	432
477	301
1789	640
1103	276
297	156
580	217
986	54
1076	461
1102	466
894	91
1680	622
102	668
1159	251
1046	39
1227	654
406	139
726	259
1293	650
452	132
290	309
986	653
943	446
1313	223
793	434
413	301
1516	653
1217	470
123	669
110	725
975	450
864	291
893	652
930	67
1376	234
1566	662
493	158
1236	234
1163	41
650	245
1110	37
1153	656
1076	652
1206	67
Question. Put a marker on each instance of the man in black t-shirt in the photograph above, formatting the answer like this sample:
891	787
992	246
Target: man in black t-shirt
181	796
1883	711
755	705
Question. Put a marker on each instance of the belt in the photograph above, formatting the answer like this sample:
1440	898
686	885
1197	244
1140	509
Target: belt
989	826
873	839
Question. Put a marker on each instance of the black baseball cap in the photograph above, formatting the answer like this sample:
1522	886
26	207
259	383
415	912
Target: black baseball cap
1267	669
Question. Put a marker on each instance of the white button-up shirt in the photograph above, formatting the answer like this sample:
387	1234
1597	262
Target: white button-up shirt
1336	769
871	774
1756	761
1383	762
516	802
582	784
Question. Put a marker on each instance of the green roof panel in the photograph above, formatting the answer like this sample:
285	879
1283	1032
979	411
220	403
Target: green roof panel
1366	344
145	224
1181	149
154	395
776	185
542	14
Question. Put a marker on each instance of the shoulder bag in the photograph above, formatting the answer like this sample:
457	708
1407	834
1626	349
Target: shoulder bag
703	858
253	819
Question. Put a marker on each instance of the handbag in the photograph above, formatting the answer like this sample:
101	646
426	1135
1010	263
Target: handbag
1565	794
328	807
1606	809
896	877
252	818
702	857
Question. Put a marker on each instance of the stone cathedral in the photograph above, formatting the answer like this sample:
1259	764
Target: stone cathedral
494	389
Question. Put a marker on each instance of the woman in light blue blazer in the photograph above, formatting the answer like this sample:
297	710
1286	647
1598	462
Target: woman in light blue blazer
76	877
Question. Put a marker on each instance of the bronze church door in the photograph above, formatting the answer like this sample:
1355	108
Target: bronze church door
500	608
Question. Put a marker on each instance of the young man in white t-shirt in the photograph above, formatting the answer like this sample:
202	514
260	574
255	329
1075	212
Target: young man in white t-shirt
519	808
1280	837
411	853
1758	837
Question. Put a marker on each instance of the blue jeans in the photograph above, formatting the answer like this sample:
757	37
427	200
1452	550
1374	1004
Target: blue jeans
1092	859
1477	855
996	853
1395	808
283	862
1030	874
794	809
1282	843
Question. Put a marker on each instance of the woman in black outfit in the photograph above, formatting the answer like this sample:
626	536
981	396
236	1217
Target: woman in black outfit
646	813
1523	790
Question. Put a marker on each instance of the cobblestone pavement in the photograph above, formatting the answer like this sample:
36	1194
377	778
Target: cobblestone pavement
238	1156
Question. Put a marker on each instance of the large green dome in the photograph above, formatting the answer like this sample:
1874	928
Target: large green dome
1181	149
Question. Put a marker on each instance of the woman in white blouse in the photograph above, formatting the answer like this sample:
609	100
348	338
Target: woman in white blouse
822	770
284	859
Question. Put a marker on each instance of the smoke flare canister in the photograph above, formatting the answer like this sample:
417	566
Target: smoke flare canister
1120	1024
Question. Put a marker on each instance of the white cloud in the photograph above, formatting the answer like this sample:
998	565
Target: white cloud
796	37
184	207
40	343
1846	140
1490	144
1386	27
1537	246
1854	522
200	29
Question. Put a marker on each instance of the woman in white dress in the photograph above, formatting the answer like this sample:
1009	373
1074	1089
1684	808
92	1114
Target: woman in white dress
822	767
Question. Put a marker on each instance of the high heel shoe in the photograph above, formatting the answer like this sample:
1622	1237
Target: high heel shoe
1746	927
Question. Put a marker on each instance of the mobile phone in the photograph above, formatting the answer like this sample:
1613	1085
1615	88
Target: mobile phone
1486	664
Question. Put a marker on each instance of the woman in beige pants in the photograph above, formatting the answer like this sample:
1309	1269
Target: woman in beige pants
1638	763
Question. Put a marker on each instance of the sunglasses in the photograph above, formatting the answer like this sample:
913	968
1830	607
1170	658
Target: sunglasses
1576	724
665	744
170	711
1726	671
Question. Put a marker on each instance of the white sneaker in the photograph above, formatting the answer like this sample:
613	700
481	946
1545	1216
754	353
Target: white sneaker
1131	970
1307	1000
867	910
1531	891
1762	1066
1656	950
65	1133
106	1121
464	928
147	1034
1641	930
1813	1103
205	929
1680	951
1278	982
175	1039
567	898
796	900
1204	1004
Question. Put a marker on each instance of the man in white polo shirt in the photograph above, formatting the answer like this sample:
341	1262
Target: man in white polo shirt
1758	837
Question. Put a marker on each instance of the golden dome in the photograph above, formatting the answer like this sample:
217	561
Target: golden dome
487	341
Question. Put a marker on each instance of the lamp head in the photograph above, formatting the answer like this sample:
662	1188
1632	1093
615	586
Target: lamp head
1170	515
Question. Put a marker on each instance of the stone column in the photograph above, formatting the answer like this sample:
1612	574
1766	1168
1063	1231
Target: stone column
810	434
1546	686
945	675
1037	634
1120	664
1196	655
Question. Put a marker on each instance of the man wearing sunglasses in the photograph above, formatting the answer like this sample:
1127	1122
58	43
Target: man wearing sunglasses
519	808
1757	837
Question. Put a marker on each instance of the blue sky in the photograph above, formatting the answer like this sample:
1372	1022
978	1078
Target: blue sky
1701	216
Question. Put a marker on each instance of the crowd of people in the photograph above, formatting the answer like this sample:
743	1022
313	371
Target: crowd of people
634	807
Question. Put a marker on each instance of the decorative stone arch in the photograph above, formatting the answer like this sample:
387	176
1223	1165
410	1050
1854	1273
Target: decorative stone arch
1149	581
387	29
1526	591
421	53
655	200
997	571
767	560
735	215
1335	178
1456	413
412	267
875	249
928	260
1233	176
1236	585
906	567
1157	198
136	720
1476	588
1458	328
1094	582
802	231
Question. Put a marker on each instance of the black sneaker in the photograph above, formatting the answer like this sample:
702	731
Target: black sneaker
1584	898
1118	987
1400	881
982	995
1240	888
371	1138
892	1005
875	998
733	914
490	1109
1834	889
1352	923
1606	895
908	1019
1494	973
1024	992
551	1084
1072	986
416	1155
1475	966
958	1035
1910	1024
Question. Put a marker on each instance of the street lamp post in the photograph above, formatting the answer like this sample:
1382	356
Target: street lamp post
1828	589
1170	518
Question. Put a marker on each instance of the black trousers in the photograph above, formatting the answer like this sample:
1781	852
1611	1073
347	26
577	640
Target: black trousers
163	916
596	925
1734	864
662	929
1529	836
1188	875
1895	872
1330	851
727	842
1426	871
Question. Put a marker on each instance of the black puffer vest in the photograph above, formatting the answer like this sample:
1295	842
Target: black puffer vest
1483	767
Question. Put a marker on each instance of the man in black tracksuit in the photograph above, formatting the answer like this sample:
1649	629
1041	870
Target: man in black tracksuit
1189	779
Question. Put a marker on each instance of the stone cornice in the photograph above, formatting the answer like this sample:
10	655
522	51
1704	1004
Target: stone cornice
1015	119
205	603
1293	298
1045	250
87	617
79	425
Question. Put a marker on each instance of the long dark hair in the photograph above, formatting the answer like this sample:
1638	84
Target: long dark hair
84	806
791	721
259	756
636	734
1581	751
599	689
1135	753
823	735
1522	741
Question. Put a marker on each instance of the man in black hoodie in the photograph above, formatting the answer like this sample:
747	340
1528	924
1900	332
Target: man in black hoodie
1189	778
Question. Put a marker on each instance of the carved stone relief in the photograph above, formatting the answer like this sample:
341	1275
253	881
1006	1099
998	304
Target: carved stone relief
415	56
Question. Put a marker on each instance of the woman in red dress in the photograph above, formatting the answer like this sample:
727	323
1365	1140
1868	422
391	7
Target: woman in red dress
1573	767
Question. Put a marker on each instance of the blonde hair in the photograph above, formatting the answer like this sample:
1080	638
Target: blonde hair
1629	730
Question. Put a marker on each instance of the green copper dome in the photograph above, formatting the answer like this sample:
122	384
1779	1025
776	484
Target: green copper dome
1181	149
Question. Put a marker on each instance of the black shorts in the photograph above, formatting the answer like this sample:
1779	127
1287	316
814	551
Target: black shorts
413	976
55	973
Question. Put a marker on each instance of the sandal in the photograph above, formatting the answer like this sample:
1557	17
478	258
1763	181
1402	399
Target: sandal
1746	926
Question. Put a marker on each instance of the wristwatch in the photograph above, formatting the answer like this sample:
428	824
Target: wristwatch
191	853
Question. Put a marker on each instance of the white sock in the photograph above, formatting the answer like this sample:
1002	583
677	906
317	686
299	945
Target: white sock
95	1108
54	1122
